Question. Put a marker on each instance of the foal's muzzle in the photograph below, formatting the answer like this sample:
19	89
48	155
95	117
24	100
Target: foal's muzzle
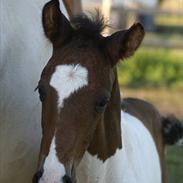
66	179
38	175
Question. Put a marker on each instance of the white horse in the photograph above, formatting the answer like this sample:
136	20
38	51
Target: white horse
24	51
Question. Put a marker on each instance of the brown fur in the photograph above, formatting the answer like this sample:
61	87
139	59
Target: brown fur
107	136
82	43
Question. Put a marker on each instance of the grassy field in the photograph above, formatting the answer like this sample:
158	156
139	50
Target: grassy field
175	164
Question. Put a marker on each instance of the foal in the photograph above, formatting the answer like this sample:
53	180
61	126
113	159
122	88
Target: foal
86	137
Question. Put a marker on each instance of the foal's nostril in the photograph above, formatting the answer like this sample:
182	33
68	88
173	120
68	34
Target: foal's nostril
37	176
66	179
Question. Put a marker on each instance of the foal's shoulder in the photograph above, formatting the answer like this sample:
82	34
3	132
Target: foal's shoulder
145	112
139	108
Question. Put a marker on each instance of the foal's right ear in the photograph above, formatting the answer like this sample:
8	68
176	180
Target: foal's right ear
123	44
56	26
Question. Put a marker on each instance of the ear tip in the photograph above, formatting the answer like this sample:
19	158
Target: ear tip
50	18
52	2
139	26
55	1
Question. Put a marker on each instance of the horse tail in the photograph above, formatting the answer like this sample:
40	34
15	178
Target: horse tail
172	129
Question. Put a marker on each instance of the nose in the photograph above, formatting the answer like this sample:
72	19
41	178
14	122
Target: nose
38	175
66	179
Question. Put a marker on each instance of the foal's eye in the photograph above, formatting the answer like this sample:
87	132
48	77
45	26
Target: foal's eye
102	104
42	94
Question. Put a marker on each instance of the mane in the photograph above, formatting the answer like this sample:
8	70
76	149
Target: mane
90	26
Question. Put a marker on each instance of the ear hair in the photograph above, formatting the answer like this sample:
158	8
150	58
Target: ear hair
55	24
123	44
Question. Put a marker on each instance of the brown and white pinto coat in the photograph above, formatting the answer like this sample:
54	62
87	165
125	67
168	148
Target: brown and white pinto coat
152	120
86	136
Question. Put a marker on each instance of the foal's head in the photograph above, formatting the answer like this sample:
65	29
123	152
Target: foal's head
79	90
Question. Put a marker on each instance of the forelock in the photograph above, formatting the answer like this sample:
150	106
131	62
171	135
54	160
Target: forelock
89	26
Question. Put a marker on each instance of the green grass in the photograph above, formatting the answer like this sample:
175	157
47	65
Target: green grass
152	67
175	164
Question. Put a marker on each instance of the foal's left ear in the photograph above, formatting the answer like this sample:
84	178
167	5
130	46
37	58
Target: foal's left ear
56	26
123	44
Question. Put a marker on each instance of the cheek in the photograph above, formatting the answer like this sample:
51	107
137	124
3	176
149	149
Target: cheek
73	138
90	130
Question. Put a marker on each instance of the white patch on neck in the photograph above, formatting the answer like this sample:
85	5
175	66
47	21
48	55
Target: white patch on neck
67	79
53	169
136	162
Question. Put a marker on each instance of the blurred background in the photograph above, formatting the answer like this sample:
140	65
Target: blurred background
155	72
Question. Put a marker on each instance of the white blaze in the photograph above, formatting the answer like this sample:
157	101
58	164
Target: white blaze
67	79
53	169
